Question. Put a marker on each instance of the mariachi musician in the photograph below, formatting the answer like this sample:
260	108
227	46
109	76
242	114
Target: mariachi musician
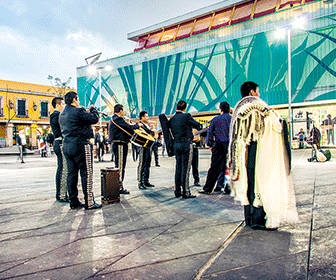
120	133
194	162
76	128
144	155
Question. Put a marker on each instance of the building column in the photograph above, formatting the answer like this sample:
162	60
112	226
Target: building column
33	135
9	134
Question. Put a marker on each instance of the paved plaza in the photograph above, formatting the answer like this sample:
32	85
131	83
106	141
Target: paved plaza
152	235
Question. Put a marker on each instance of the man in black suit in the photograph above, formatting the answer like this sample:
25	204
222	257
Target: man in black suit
61	173
144	156
100	144
120	133
76	128
181	125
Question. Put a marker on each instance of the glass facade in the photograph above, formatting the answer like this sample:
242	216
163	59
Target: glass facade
210	67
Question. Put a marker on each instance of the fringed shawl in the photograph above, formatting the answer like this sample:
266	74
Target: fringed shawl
247	125
254	121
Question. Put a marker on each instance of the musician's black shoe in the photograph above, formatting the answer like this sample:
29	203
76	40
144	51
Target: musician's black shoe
217	190
157	165
177	194
77	206
197	184
204	192
184	196
142	187
124	191
149	185
94	206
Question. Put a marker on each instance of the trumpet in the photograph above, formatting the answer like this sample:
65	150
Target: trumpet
99	112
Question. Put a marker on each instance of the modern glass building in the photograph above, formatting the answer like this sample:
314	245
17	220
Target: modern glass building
203	57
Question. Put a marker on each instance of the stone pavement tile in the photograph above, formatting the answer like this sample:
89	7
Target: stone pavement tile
292	267
324	217
75	271
8	265
82	250
325	189
250	247
35	219
26	248
327	272
175	269
175	245
93	223
304	198
326	200
323	247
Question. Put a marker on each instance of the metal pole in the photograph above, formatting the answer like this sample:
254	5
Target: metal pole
290	117
100	97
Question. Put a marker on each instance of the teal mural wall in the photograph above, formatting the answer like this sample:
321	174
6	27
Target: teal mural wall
208	75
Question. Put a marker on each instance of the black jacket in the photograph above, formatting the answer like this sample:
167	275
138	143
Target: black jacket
54	123
76	124
97	139
119	135
181	125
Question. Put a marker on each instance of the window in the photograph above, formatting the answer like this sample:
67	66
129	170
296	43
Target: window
265	7
1	106
44	109
141	43
288	3
168	35
221	19
202	25
242	13
21	107
184	30
153	40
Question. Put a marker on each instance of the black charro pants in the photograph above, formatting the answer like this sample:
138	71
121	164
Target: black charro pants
253	215
183	156
194	164
218	164
61	172
144	165
100	151
120	151
79	158
155	150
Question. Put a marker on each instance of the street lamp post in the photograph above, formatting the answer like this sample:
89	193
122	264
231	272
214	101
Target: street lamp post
290	116
298	23
92	70
100	96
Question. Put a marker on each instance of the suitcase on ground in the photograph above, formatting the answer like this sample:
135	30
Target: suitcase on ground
110	185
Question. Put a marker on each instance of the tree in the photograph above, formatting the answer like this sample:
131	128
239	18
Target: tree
59	87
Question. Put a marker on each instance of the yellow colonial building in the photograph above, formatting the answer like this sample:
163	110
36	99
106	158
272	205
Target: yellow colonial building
24	106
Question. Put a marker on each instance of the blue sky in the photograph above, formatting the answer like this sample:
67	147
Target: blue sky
40	38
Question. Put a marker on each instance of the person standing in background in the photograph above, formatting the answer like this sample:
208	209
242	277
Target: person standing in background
21	142
61	172
218	141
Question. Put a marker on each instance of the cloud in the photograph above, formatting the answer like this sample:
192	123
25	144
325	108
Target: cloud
33	59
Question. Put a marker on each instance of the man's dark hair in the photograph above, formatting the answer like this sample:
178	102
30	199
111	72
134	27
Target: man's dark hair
224	107
142	114
181	105
118	108
246	88
69	97
55	101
